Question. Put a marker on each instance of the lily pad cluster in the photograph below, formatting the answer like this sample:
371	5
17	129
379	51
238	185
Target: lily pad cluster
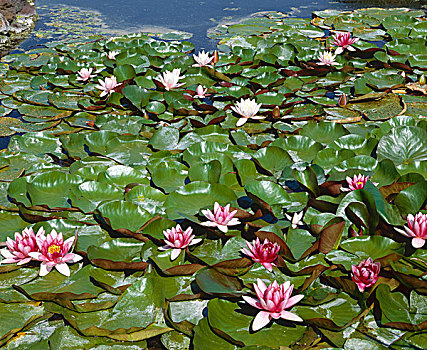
125	168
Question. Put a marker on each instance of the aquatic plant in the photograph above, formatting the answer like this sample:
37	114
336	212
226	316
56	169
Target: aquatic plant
128	166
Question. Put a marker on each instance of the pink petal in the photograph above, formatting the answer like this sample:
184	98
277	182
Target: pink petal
286	315
268	266
24	261
253	302
36	255
293	300
261	320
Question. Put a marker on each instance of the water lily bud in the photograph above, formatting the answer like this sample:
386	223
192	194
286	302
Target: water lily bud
276	112
423	80
215	57
342	102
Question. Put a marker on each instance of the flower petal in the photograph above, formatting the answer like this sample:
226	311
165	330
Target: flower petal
241	121
63	269
286	315
418	242
6	253
44	269
252	301
175	253
261	320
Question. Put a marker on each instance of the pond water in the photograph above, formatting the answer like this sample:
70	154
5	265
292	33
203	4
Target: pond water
196	17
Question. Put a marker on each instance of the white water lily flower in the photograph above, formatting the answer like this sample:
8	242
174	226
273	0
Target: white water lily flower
203	60
170	79
112	55
107	86
296	219
327	58
247	109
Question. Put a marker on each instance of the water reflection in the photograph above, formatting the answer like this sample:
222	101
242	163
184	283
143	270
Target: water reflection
17	19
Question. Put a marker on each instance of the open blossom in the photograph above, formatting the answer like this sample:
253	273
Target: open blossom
327	58
170	79
85	74
112	55
356	183
273	302
263	253
107	86
365	274
54	252
18	250
296	219
343	41
221	217
176	239
417	229
247	109
201	92
203	59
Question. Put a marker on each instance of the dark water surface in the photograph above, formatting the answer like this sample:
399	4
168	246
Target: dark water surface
198	16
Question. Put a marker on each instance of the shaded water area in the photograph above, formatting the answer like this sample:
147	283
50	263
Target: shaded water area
196	18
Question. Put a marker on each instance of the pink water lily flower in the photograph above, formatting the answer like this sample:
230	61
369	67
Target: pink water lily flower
246	109
417	229
273	301
221	217
107	86
344	41
327	58
112	55
54	252
365	274
85	74
263	253
201	92
18	250
177	239
356	183
170	79
203	59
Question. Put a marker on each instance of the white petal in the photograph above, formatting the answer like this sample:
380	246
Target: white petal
44	269
75	259
417	242
196	240
403	232
339	50
175	253
63	269
223	228
241	121
7	254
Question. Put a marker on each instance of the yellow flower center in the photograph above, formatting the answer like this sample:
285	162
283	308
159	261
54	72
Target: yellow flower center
54	249
359	183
